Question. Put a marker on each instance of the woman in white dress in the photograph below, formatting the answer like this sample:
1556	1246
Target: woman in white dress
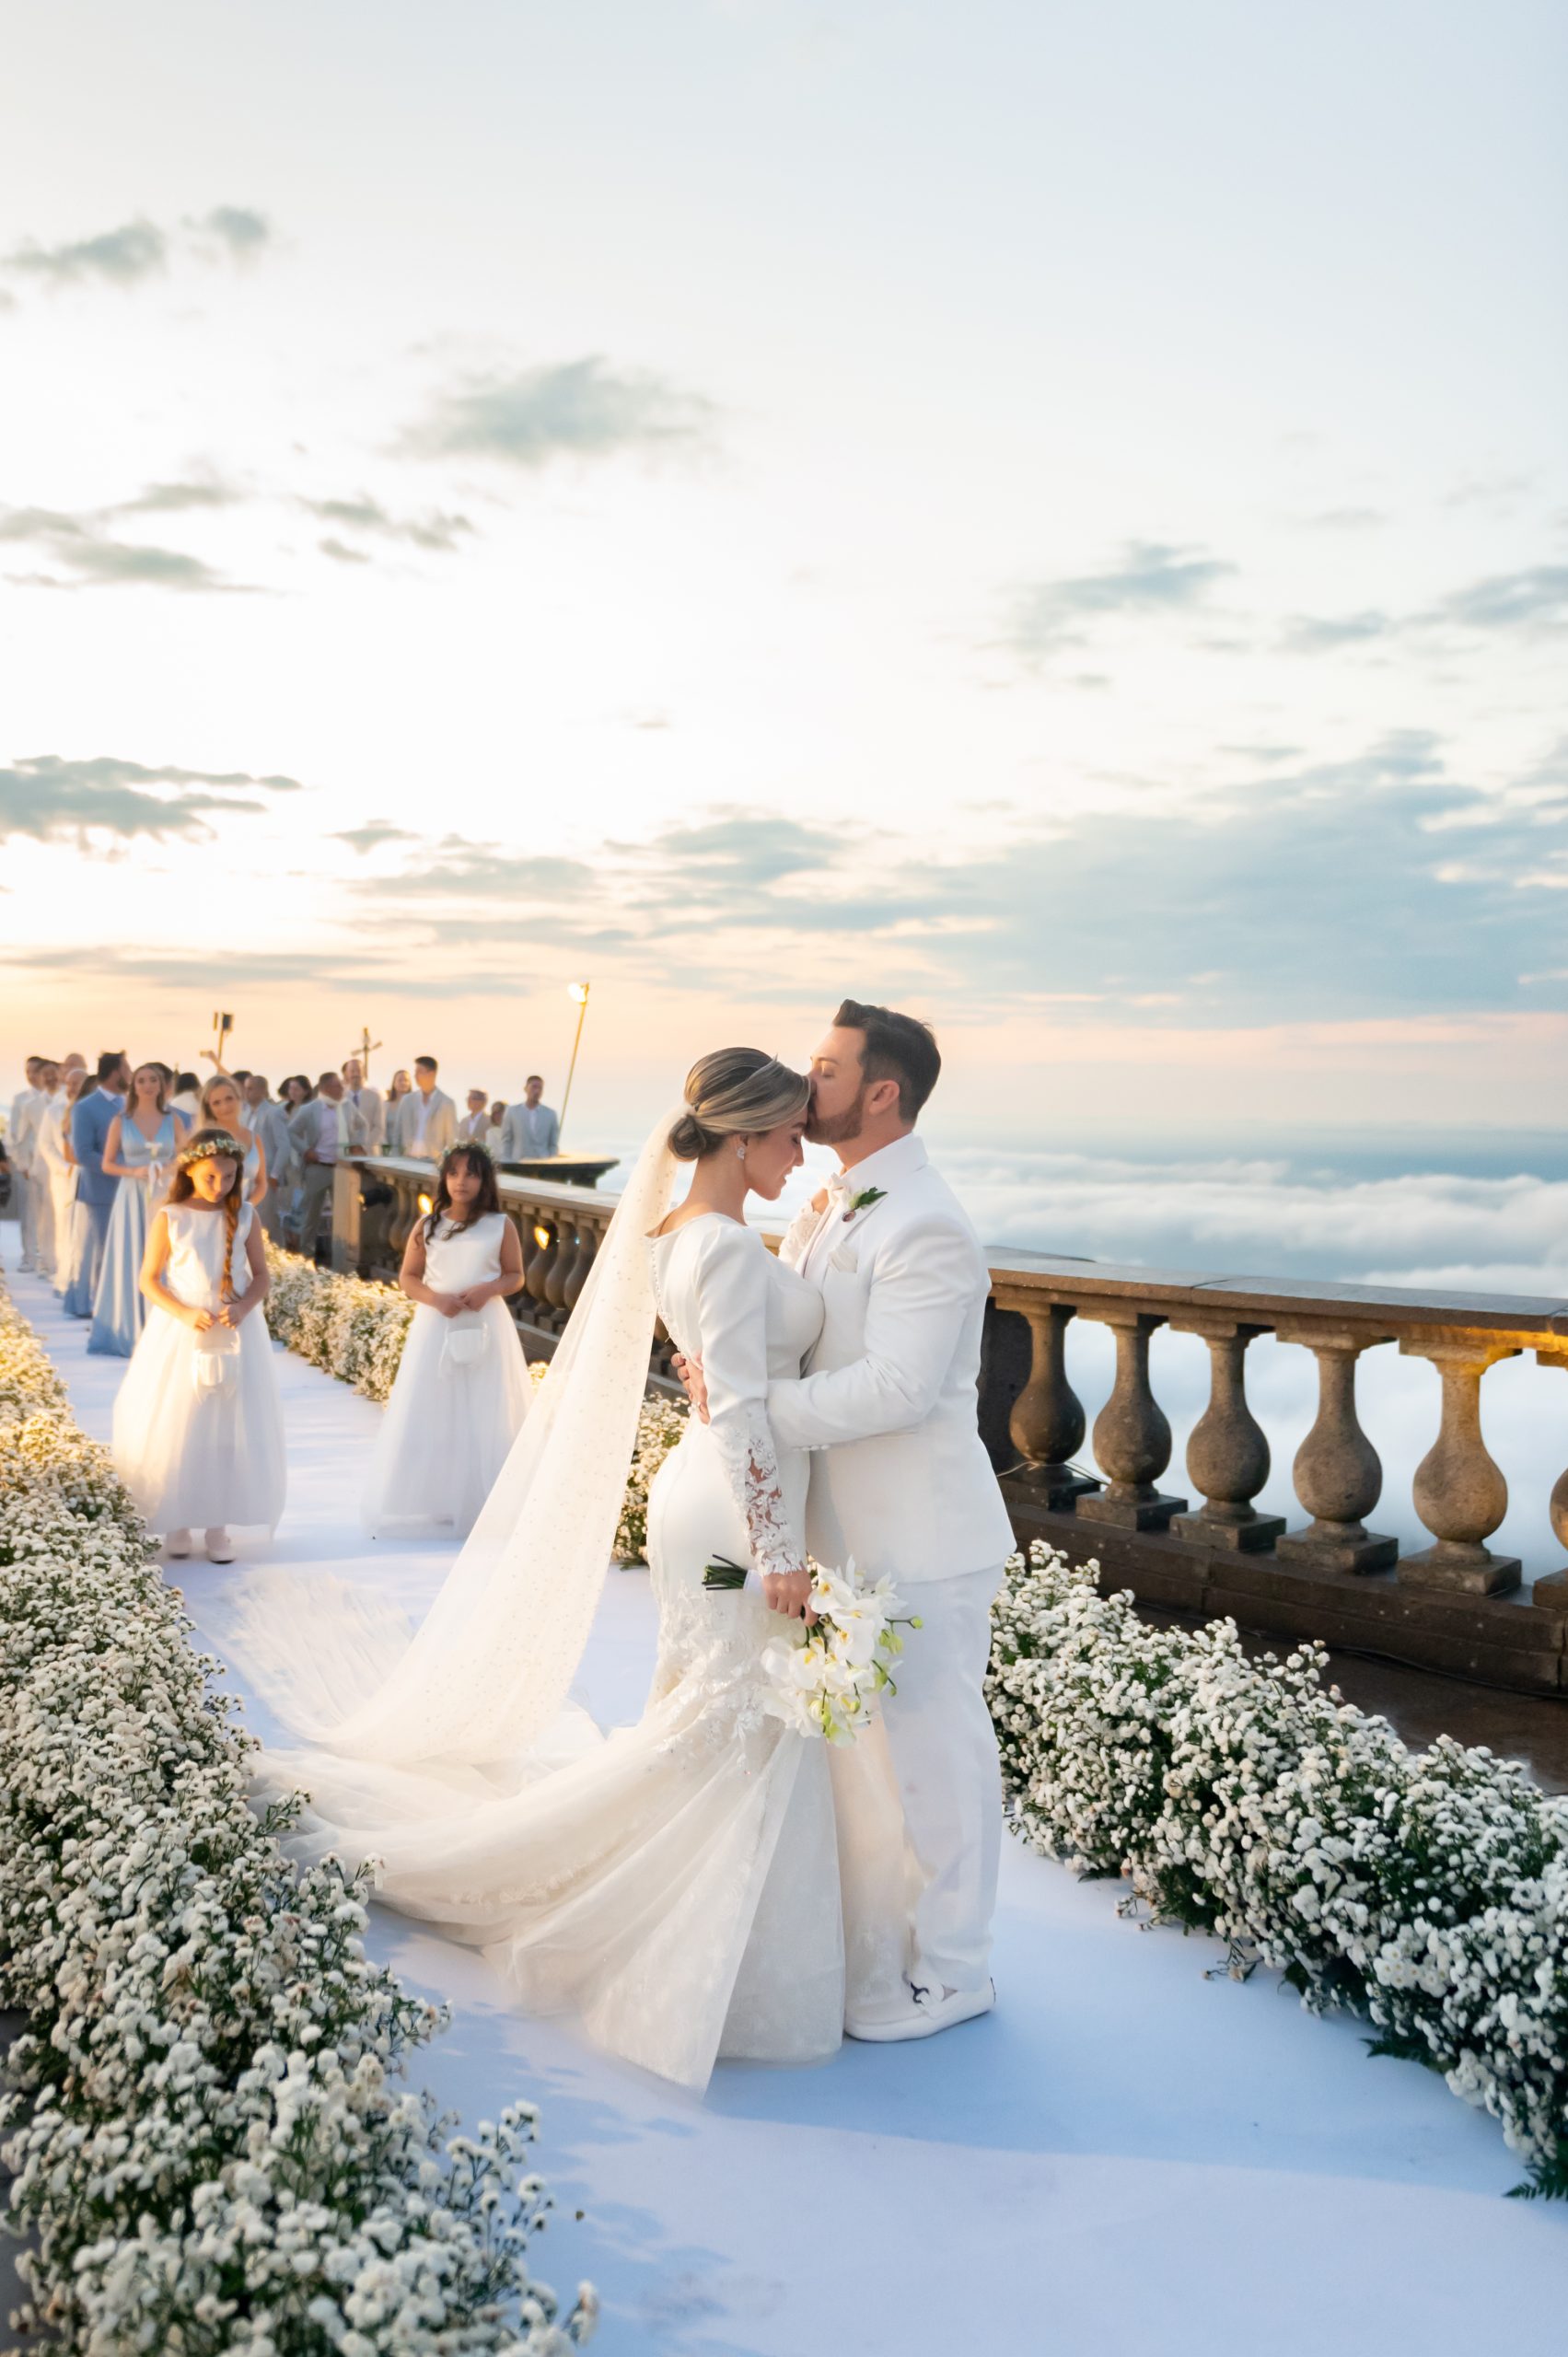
708	1882
463	1384
198	1427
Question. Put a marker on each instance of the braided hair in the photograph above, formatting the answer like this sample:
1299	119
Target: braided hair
208	1145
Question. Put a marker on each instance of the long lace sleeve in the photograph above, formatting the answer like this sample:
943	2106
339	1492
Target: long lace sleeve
732	1280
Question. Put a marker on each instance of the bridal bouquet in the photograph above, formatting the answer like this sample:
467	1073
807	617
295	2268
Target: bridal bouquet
825	1680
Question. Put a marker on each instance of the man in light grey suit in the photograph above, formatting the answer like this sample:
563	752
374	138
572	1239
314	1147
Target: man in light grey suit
368	1103
27	1110
322	1130
427	1117
531	1131
476	1121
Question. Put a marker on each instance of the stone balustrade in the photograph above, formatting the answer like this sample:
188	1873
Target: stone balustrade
1454	1605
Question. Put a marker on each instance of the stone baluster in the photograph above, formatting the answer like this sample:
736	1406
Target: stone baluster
561	1263
1553	1589
583	1260
346	1227
1459	1492
1227	1456
1131	1438
544	1260
1339	1474
1047	1424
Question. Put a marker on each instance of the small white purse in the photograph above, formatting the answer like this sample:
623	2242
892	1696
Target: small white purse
215	1363
465	1341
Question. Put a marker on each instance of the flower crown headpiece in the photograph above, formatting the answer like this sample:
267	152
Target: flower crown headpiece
464	1145
208	1149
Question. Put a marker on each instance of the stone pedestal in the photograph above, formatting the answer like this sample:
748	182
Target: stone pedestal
1459	1491
1047	1424
1338	1473
1131	1434
1227	1456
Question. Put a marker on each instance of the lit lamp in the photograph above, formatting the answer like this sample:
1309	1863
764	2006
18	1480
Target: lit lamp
541	1237
578	991
425	1205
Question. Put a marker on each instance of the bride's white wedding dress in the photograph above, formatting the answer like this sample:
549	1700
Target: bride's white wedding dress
705	1883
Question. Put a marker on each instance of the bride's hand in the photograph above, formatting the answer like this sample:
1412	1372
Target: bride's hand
690	1373
789	1593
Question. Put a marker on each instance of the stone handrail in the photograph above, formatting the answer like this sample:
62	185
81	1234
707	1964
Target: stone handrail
1454	1605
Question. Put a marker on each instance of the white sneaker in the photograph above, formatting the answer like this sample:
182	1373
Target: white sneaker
177	1545
928	2012
220	1546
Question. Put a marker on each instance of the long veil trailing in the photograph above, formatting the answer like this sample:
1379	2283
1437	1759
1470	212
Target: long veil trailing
489	1670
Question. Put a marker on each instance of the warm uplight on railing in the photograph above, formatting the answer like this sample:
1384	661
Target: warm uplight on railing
425	1204
541	1237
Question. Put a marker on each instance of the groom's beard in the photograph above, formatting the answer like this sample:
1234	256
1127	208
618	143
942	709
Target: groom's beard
835	1128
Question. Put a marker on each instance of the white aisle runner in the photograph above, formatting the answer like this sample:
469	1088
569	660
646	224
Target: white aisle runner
1126	2158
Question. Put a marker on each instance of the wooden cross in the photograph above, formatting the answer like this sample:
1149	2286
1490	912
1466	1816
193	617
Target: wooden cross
363	1050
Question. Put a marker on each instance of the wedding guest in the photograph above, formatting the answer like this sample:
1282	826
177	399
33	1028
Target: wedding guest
92	1116
322	1132
47	1103
59	1173
402	1087
20	1131
185	1095
223	1108
495	1129
138	1152
198	1425
427	1119
531	1131
268	1123
367	1103
297	1091
476	1121
462	1388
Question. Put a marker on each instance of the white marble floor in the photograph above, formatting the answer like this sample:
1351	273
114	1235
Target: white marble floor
1126	2158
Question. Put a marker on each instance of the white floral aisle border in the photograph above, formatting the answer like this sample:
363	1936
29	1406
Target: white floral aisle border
356	1329
203	2119
1428	1892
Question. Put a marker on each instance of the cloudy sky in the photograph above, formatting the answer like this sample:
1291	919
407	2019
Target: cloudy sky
1053	514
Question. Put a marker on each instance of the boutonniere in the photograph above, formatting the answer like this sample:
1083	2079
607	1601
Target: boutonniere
864	1200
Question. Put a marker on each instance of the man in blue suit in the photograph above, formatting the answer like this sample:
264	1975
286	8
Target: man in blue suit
92	1115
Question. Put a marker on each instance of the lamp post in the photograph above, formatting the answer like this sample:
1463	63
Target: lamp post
579	991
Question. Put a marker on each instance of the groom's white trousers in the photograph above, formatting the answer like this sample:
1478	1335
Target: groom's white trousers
943	1749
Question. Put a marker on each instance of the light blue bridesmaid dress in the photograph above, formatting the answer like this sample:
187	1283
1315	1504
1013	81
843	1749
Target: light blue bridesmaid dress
118	1310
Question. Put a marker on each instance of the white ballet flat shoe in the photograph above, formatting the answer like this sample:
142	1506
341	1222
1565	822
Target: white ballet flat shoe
177	1545
220	1546
929	2011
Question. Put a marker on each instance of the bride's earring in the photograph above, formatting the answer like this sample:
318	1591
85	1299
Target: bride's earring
740	1150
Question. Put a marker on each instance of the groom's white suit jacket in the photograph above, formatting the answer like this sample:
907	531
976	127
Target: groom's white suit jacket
902	1481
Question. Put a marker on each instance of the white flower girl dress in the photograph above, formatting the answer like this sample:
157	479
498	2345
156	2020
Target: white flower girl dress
197	1425
459	1398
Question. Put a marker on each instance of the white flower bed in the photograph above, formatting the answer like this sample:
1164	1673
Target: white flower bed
356	1329
352	1329
1427	1891
206	2135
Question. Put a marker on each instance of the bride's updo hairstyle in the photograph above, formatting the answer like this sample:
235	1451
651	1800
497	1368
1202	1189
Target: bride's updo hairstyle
735	1092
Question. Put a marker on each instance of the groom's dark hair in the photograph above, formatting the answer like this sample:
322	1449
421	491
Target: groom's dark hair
898	1047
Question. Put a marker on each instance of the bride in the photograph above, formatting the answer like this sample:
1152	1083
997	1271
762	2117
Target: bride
707	1883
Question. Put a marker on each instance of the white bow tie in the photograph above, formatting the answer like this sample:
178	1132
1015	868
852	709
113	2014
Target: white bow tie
838	1188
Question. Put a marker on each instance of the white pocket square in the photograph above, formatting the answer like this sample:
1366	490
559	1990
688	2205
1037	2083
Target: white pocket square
845	1258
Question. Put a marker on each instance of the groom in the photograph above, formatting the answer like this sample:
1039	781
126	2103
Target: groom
901	1481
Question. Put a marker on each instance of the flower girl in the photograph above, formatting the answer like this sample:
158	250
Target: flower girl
198	1429
461	1391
